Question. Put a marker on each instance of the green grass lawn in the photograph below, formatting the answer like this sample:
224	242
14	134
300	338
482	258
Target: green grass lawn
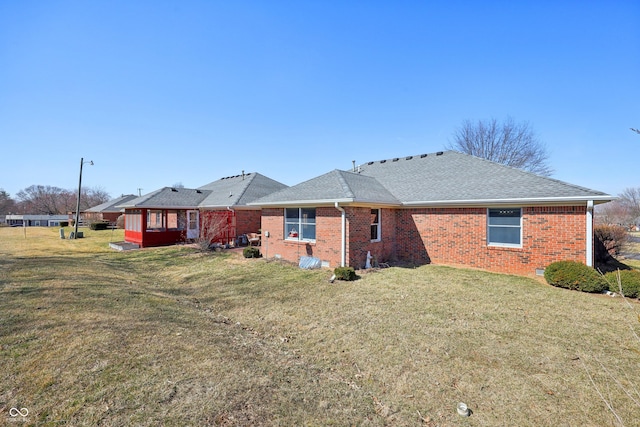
171	336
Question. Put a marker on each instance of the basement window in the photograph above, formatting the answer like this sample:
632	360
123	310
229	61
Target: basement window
300	224
504	227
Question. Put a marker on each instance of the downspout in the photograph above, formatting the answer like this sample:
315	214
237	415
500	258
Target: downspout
589	239
343	234
233	212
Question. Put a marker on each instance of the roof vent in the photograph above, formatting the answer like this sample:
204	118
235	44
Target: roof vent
396	159
439	153
422	156
409	158
382	161
174	190
198	191
370	163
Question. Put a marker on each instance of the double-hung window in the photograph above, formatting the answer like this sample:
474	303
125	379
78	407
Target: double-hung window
300	224
504	227
375	225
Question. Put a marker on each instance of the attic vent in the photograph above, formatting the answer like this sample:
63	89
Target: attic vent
422	156
198	191
370	163
382	161
439	153
396	159
174	190
409	158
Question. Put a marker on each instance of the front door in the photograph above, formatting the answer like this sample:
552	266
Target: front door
193	225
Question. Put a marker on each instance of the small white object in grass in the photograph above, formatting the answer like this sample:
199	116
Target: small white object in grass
463	410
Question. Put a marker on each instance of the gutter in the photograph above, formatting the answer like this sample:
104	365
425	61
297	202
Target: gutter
589	237
343	246
516	202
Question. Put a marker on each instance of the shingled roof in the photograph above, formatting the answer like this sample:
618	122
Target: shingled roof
168	198
238	190
233	191
442	178
335	186
112	205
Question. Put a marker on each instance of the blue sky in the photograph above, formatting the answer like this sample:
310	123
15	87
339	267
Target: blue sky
164	92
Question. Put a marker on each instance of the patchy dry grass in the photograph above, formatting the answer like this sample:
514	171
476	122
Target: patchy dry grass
171	336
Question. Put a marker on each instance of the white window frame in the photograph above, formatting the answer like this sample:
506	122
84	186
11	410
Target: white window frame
298	225
377	225
490	226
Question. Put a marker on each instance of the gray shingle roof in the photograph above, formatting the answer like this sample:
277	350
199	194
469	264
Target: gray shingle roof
334	186
112	205
234	191
238	190
168	197
434	179
451	176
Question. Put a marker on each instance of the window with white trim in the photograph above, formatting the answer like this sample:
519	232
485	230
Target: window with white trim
155	220
504	227
375	225
300	224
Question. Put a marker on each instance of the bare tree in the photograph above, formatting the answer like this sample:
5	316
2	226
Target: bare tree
214	231
615	212
630	198
93	197
45	199
510	143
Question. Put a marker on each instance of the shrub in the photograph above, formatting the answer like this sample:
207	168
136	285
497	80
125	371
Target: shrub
345	273
251	252
611	236
99	225
575	275
630	280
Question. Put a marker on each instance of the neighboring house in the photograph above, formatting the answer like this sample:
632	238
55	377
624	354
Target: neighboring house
443	208
36	220
217	211
108	211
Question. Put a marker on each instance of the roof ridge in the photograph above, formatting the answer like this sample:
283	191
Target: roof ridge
343	183
251	177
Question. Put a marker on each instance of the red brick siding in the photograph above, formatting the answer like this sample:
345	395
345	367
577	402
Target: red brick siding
248	221
451	236
458	237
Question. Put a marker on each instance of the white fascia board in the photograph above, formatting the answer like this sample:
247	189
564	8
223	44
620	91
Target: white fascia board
317	202
557	201
189	208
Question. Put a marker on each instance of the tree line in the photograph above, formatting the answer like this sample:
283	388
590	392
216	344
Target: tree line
50	200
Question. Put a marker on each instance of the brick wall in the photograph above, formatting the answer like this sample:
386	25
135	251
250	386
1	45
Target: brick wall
247	221
458	237
449	236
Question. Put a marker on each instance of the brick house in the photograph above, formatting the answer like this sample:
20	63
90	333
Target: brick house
442	208
108	211
217	211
